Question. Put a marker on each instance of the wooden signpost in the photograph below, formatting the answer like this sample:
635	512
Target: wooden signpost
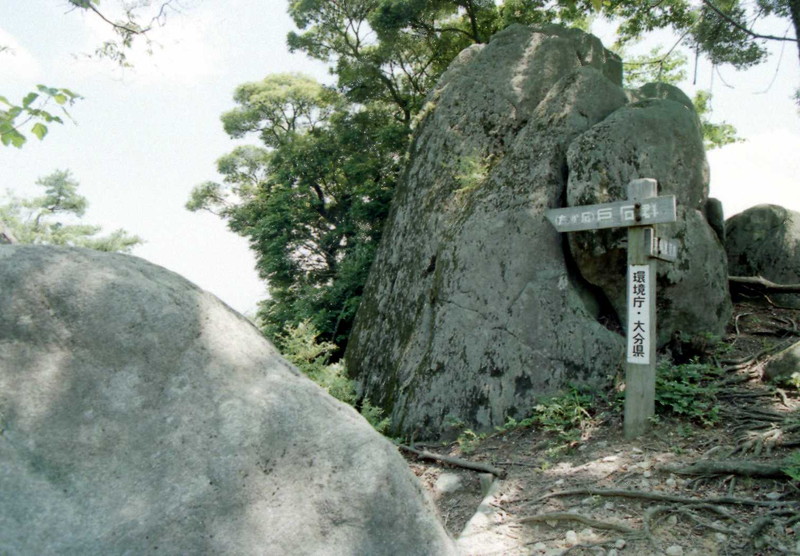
639	213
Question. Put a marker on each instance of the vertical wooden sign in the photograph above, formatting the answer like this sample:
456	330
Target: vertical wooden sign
639	213
640	366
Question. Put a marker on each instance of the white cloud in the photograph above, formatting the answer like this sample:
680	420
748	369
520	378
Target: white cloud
764	169
17	64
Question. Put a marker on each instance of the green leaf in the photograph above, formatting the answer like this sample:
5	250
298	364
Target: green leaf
60	98
39	130
29	99
71	94
4	100
597	5
16	138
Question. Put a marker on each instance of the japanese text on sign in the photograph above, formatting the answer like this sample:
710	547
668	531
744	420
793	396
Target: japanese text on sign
639	318
612	215
627	213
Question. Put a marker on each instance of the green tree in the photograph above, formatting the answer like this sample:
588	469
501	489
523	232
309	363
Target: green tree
311	201
670	67
53	218
133	20
392	51
725	31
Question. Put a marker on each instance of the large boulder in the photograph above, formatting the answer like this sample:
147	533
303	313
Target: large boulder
656	138
140	415
765	241
472	309
475	307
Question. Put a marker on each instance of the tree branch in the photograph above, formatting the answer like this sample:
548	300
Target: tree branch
567	516
764	284
744	29
458	462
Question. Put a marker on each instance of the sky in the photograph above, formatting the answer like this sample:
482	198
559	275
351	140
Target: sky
144	137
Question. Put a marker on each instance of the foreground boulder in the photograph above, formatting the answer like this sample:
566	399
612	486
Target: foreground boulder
765	241
140	414
475	306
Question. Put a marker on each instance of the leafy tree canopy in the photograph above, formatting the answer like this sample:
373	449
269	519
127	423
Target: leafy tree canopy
54	218
311	201
726	31
670	68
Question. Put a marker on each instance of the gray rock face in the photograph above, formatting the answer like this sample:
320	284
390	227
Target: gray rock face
765	241
139	414
784	365
661	139
475	307
472	309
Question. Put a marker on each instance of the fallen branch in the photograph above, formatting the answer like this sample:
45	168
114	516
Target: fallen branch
742	468
457	462
662	497
568	516
763	284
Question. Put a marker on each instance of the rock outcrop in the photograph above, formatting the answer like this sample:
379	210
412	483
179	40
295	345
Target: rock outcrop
784	366
660	138
765	241
140	415
475	306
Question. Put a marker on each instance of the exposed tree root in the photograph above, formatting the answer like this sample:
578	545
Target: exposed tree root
763	285
724	500
457	462
742	468
568	516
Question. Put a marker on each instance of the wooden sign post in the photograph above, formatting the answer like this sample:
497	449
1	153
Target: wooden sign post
639	213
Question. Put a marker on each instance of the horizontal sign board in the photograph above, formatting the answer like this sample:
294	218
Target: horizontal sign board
655	210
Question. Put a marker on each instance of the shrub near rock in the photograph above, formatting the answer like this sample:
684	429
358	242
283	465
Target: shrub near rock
141	415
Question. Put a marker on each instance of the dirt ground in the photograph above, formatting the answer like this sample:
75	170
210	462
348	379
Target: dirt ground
593	492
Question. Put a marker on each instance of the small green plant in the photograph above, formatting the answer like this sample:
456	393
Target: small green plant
688	391
301	348
375	416
468	440
790	381
792	466
569	415
472	174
